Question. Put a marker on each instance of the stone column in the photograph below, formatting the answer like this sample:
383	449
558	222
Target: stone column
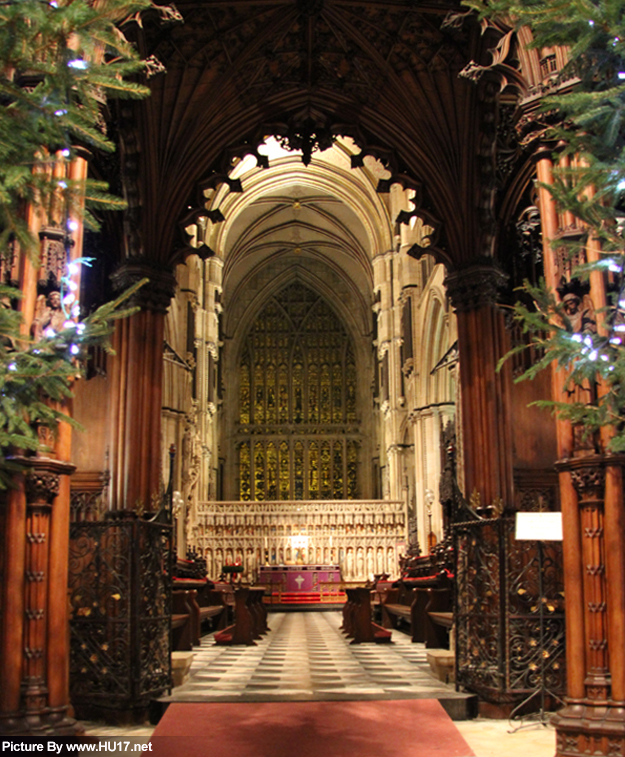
137	388
482	341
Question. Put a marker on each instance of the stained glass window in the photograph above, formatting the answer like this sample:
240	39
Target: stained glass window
297	402
245	472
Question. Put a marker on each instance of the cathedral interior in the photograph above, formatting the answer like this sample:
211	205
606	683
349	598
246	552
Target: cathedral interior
334	202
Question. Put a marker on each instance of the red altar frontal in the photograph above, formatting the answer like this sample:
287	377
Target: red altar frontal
302	584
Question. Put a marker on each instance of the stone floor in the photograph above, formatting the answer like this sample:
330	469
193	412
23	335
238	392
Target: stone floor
306	657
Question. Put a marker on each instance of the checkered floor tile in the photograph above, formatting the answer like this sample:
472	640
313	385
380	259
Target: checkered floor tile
305	656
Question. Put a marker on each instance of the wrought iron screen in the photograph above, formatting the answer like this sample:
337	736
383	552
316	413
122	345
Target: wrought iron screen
120	596
509	612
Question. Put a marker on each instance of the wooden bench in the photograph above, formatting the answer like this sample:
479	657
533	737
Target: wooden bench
181	621
443	623
413	605
204	604
357	620
250	618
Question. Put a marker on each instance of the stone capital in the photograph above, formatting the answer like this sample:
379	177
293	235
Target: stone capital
156	294
475	286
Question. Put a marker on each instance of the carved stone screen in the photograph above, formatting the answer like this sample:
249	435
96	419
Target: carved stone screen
298	432
363	537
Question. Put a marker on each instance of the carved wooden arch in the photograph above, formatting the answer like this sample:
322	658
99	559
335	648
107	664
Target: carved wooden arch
398	172
402	97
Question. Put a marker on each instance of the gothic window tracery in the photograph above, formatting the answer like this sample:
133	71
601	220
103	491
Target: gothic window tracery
298	426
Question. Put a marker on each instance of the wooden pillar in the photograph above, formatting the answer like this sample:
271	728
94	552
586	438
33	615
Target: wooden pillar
33	599
34	648
593	520
486	423
137	389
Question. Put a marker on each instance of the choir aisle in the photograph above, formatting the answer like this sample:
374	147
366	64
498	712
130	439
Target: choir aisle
305	657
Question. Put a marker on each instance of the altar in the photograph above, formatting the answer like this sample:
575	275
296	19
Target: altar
302	584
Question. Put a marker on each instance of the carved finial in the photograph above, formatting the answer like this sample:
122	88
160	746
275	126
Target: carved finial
497	507
476	501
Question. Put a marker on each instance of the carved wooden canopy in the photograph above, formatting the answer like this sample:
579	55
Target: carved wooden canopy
383	73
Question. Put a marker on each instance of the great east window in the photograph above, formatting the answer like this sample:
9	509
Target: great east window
298	427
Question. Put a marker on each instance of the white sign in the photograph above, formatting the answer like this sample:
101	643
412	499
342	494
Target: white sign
299	542
538	526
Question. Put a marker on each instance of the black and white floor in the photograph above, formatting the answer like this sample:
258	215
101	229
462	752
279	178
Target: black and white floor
306	657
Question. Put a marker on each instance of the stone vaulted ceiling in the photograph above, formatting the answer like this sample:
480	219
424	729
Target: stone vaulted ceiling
383	73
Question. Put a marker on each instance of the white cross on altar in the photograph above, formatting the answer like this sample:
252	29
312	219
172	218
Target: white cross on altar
299	581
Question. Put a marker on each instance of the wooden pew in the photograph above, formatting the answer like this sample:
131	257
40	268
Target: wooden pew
250	618
413	606
442	624
357	620
204	604
181	621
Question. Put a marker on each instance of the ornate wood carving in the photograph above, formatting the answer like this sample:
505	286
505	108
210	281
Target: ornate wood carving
475	286
588	477
88	495
42	481
55	245
156	294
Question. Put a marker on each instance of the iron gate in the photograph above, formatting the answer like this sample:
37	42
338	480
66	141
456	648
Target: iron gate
509	612
120	597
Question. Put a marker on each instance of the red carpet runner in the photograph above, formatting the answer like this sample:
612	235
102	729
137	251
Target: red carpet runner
393	728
